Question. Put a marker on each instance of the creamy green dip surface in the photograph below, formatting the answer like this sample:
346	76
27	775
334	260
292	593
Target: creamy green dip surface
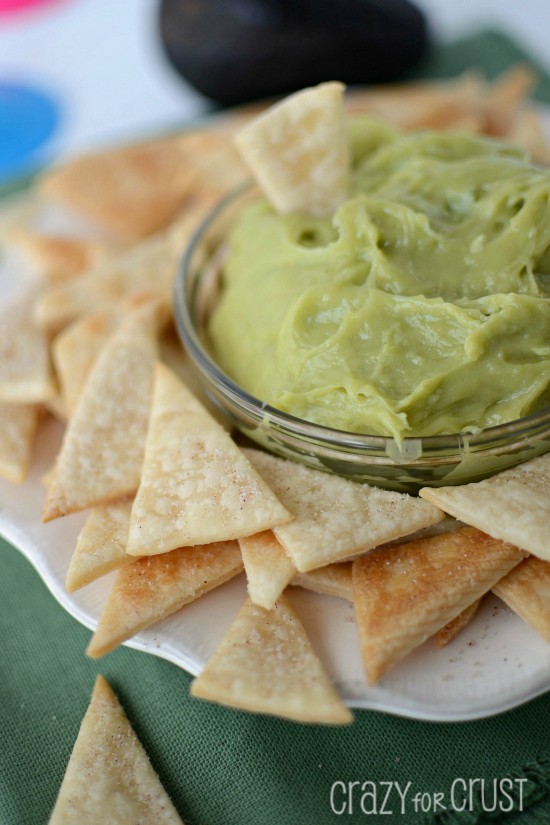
421	308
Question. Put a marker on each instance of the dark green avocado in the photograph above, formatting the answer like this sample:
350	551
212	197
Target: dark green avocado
235	51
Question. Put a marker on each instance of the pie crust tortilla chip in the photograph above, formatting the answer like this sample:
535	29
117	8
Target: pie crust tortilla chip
131	191
109	778
526	590
25	372
332	580
404	595
268	568
147	267
298	151
75	349
513	505
443	104
466	102
506	96
455	626
215	160
102	451
321	532
58	257
265	664
18	423
101	544
152	588
197	486
527	130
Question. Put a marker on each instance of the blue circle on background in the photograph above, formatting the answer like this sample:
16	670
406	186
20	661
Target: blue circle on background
29	117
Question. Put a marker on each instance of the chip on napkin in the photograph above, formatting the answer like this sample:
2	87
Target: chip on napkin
109	778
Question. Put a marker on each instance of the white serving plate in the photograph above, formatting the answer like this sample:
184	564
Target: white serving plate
497	663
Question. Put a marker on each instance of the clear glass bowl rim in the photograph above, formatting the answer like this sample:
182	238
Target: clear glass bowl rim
520	429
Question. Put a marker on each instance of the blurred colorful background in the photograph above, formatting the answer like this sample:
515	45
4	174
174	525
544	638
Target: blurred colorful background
76	74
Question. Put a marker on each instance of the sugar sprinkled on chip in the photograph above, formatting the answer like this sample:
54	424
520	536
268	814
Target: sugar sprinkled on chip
197	486
74	350
268	567
101	544
153	587
526	590
149	266
265	664
513	505
109	778
102	451
25	374
406	594
322	532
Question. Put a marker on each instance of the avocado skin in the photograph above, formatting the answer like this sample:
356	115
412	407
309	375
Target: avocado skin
235	51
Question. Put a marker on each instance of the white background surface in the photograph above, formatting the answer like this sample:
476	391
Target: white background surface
104	60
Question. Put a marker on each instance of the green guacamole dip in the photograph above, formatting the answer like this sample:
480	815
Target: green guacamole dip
421	308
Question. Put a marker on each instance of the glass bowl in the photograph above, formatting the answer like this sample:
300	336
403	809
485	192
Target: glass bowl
414	463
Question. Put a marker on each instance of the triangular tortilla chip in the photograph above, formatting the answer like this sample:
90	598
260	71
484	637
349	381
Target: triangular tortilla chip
322	532
528	129
457	625
102	451
25	373
154	587
298	151
75	349
109	778
265	664
442	104
215	160
332	580
526	590
406	594
101	544
147	267
142	187
268	568
197	486
18	424
58	257
513	505
505	96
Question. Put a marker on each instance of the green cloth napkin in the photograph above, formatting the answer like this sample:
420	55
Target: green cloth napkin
224	767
